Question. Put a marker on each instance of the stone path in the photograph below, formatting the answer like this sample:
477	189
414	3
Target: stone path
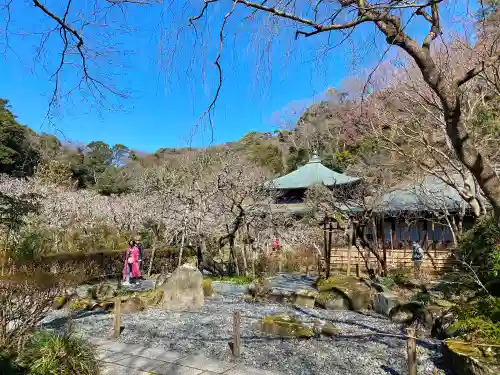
288	283
124	359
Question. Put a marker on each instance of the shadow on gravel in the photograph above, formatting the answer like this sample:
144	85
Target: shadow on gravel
390	370
61	322
377	333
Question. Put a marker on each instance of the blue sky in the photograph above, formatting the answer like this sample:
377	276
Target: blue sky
165	102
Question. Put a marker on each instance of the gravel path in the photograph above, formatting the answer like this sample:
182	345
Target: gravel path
357	351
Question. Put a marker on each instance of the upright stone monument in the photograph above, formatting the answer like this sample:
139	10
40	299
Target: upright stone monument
183	291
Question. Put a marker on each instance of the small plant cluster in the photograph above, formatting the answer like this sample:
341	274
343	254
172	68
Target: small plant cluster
26	295
49	353
479	320
479	247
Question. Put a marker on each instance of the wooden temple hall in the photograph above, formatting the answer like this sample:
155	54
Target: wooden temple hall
408	212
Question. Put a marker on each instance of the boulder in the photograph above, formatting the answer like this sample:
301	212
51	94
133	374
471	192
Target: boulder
305	298
355	291
329	329
284	325
208	289
383	303
132	305
183	291
408	313
260	288
465	359
152	297
441	329
105	291
332	300
279	296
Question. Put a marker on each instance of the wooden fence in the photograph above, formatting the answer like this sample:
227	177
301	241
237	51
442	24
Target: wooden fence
434	259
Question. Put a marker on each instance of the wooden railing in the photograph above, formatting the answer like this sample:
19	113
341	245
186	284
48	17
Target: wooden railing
434	259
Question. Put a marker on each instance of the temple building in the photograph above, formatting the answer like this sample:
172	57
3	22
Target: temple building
411	211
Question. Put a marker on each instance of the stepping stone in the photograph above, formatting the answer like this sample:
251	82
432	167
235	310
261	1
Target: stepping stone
108	356
115	346
246	370
173	369
158	354
140	363
112	369
201	362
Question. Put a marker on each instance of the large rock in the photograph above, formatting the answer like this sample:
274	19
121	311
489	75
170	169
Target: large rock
284	325
332	300
305	298
132	305
383	303
442	327
412	312
183	291
260	288
465	359
355	291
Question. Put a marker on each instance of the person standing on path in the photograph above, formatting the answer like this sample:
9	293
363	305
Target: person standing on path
417	256
140	246
131	271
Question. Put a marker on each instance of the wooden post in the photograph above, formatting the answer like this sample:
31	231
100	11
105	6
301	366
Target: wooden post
349	260
357	270
236	344
411	350
117	322
426	235
393	239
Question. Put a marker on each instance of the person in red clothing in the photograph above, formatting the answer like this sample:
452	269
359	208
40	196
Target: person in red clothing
276	244
131	271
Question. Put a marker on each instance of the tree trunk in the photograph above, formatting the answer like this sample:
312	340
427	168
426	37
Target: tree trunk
328	257
447	88
244	256
233	255
152	257
325	243
182	247
349	235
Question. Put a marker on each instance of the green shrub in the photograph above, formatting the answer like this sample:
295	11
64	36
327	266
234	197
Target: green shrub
479	320
401	275
79	304
49	353
479	247
388	282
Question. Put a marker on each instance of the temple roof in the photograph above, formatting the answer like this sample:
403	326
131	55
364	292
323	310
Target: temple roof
428	194
313	173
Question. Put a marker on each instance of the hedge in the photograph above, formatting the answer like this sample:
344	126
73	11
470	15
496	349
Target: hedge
101	264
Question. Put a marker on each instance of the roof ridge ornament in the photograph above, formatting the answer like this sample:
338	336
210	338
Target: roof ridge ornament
315	158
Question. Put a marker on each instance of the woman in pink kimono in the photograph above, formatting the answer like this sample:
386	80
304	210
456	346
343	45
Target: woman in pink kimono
131	271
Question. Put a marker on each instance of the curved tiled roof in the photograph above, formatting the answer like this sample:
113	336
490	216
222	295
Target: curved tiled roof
313	173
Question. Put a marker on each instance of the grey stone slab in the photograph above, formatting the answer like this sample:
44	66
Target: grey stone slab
210	373
201	362
98	340
113	369
246	370
159	354
173	369
140	363
121	347
108	356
